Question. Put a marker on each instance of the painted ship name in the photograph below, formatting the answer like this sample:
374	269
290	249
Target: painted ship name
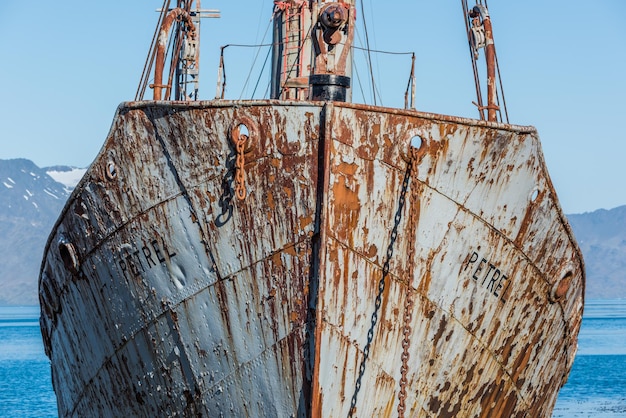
137	260
488	275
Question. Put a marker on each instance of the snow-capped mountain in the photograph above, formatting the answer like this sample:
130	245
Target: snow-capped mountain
28	192
31	199
67	176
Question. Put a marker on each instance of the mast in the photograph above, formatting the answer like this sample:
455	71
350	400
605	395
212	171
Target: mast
482	22
312	53
175	48
184	59
480	35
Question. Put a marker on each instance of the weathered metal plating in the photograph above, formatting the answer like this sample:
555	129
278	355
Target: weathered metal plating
259	258
208	297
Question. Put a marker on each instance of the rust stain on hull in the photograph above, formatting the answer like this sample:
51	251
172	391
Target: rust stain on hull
163	293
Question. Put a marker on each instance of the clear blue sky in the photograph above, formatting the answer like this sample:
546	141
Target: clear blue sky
66	65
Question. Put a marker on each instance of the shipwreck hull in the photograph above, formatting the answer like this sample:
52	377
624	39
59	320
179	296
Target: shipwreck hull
162	293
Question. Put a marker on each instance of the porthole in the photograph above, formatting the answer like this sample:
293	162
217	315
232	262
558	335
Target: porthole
560	288
111	170
534	195
69	256
417	142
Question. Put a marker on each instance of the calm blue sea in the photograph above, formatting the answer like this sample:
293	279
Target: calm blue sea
597	383
596	386
25	385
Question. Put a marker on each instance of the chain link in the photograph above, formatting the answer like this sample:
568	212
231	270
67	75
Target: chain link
408	301
240	140
381	289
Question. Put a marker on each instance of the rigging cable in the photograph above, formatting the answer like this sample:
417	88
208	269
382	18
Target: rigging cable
369	55
358	78
474	55
376	51
245	84
506	113
147	69
174	58
223	66
479	94
355	68
258	80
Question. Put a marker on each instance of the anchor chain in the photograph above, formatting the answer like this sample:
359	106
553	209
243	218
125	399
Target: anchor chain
408	302
381	283
240	140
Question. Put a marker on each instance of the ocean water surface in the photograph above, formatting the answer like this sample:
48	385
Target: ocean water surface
25	384
597	383
596	386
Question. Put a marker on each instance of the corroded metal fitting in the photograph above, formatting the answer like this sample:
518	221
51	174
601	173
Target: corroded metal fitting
333	16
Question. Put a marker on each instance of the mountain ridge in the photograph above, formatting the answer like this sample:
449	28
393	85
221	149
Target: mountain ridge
601	235
31	199
30	202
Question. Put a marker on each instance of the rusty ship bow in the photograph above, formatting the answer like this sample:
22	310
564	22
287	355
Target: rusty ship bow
306	256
